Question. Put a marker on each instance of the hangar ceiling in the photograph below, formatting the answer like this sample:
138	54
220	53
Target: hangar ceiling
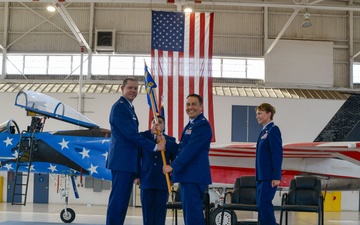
248	39
343	5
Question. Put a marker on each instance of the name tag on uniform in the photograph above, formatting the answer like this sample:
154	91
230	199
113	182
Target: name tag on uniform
134	117
188	131
265	135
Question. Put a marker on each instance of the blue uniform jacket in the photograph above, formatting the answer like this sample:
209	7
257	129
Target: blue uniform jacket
192	163
269	154
151	173
125	138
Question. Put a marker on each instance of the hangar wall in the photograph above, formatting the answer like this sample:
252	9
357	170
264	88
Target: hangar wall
308	116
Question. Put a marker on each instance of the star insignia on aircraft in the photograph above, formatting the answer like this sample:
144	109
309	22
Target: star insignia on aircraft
92	169
64	144
31	168
74	172
52	168
8	141
105	155
105	140
8	166
16	154
84	153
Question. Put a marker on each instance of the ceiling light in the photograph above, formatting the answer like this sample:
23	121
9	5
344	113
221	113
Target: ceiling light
306	22
50	8
188	9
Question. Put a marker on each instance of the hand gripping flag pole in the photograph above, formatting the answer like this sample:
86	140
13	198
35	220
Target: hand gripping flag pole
150	85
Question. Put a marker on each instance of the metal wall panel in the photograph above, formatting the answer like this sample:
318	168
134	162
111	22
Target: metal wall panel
123	20
356	36
341	55
323	28
238	30
356	50
238	46
341	68
341	77
239	23
2	11
81	17
130	43
45	43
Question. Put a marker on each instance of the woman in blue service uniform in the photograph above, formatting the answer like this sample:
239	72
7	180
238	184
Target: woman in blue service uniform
269	156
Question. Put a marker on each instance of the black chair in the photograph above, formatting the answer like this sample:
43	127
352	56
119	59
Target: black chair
176	205
243	197
304	196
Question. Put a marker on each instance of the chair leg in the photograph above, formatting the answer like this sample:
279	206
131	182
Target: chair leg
286	218
176	220
281	216
208	216
322	216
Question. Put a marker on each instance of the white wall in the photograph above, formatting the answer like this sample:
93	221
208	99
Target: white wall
350	200
299	63
300	120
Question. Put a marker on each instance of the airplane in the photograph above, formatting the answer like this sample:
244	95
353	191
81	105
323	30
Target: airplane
83	152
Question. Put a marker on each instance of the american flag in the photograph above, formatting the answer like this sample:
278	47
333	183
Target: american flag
181	61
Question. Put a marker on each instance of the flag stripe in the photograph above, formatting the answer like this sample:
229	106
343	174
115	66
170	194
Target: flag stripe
180	98
185	67
209	47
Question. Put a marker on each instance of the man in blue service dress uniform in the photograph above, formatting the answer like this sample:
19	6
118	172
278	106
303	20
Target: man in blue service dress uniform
191	168
269	156
154	192
123	159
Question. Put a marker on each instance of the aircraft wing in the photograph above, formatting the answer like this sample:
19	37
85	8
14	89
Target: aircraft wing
326	159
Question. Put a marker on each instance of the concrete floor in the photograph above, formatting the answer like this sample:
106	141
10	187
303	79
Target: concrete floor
49	214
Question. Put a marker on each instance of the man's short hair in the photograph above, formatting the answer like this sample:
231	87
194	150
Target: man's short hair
196	96
128	79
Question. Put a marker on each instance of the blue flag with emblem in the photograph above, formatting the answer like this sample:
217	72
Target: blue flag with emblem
150	85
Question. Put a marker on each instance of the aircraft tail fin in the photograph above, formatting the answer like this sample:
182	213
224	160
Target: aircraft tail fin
344	126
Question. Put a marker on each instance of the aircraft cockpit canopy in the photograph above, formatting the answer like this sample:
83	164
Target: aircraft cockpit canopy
10	127
45	105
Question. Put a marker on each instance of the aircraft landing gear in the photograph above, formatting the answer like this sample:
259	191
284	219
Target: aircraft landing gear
67	215
230	217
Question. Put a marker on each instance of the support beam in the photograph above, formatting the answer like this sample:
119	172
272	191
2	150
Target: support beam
83	44
282	31
71	24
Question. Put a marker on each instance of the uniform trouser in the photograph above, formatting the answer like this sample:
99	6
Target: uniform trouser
153	202
122	183
192	196
264	196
